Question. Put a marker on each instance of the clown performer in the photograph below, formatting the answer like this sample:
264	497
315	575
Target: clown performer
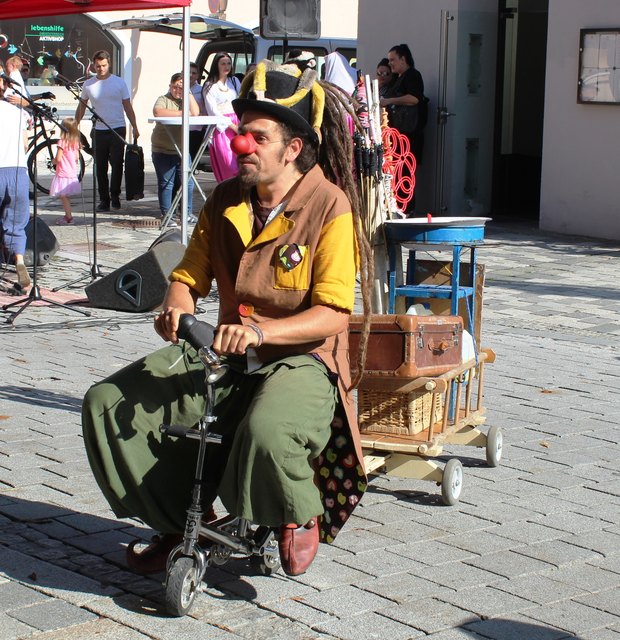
282	242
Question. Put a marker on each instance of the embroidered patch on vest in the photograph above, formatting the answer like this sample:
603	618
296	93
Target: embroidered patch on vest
290	255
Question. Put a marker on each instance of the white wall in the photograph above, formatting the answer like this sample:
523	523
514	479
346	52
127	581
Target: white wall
581	143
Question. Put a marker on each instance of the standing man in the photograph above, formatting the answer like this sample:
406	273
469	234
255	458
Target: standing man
14	200
196	131
280	241
110	101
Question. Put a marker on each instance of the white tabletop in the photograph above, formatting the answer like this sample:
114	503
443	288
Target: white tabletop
192	120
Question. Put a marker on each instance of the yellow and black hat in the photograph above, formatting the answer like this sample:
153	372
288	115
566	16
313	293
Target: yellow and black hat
286	93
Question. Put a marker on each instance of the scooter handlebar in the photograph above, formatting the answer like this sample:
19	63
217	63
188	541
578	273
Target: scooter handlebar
198	334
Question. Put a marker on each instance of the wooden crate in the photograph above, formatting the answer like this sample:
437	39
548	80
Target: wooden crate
397	413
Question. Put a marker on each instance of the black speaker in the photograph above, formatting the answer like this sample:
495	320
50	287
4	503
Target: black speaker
47	244
141	284
286	19
171	235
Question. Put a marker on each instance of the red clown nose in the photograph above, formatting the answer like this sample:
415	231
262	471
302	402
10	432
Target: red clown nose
242	145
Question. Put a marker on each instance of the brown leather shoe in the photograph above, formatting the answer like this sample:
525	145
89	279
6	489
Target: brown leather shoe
153	558
298	546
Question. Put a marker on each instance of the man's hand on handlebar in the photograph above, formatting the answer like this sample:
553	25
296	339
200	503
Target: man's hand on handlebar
235	339
167	323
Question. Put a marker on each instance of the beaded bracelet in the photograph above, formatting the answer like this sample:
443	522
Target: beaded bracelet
258	332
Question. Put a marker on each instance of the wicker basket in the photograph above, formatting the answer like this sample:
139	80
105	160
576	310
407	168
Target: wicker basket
397	413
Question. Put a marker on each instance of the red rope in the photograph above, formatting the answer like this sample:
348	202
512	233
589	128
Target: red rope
400	163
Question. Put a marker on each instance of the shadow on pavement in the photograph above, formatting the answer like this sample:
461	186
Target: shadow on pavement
505	629
512	234
34	397
428	499
76	556
544	288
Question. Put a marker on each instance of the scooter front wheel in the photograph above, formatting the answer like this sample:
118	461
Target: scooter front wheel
182	586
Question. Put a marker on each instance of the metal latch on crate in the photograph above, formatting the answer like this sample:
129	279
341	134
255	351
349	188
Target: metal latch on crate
444	344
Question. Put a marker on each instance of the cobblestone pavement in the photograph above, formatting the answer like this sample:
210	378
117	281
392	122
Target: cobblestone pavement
531	551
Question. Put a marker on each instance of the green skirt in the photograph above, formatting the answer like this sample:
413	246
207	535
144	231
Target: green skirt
274	421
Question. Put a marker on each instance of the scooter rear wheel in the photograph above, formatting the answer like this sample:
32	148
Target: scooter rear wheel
182	586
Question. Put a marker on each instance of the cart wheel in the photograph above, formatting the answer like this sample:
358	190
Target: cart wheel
452	482
266	565
181	587
494	446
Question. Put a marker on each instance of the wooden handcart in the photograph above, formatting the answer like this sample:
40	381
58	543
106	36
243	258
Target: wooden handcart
405	422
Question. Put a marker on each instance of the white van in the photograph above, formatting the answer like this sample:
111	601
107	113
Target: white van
243	44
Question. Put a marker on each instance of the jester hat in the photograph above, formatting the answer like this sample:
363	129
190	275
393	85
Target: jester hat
286	93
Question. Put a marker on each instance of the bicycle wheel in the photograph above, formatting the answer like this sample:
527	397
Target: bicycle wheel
43	154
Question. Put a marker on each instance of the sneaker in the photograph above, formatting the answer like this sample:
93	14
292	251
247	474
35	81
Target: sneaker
23	277
191	218
116	204
63	221
103	206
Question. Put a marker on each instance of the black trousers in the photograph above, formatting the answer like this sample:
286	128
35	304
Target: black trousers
109	151
195	140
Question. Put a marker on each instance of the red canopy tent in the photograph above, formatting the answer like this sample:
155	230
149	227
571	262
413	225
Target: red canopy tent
30	8
35	8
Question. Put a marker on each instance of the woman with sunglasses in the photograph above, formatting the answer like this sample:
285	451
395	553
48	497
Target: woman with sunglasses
384	76
220	89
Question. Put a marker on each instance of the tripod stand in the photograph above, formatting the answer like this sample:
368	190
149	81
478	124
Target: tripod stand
35	291
95	269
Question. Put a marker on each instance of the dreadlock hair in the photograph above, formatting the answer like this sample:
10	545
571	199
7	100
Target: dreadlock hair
335	158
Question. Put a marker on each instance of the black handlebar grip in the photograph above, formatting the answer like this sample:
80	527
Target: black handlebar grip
175	430
198	334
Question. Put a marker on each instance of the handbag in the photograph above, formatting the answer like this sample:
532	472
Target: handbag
409	118
403	117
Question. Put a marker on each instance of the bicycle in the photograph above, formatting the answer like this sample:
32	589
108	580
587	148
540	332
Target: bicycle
42	149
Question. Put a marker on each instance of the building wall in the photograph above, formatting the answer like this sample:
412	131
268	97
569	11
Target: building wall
470	175
581	143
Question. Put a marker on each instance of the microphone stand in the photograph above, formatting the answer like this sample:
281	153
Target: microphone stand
35	291
95	269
